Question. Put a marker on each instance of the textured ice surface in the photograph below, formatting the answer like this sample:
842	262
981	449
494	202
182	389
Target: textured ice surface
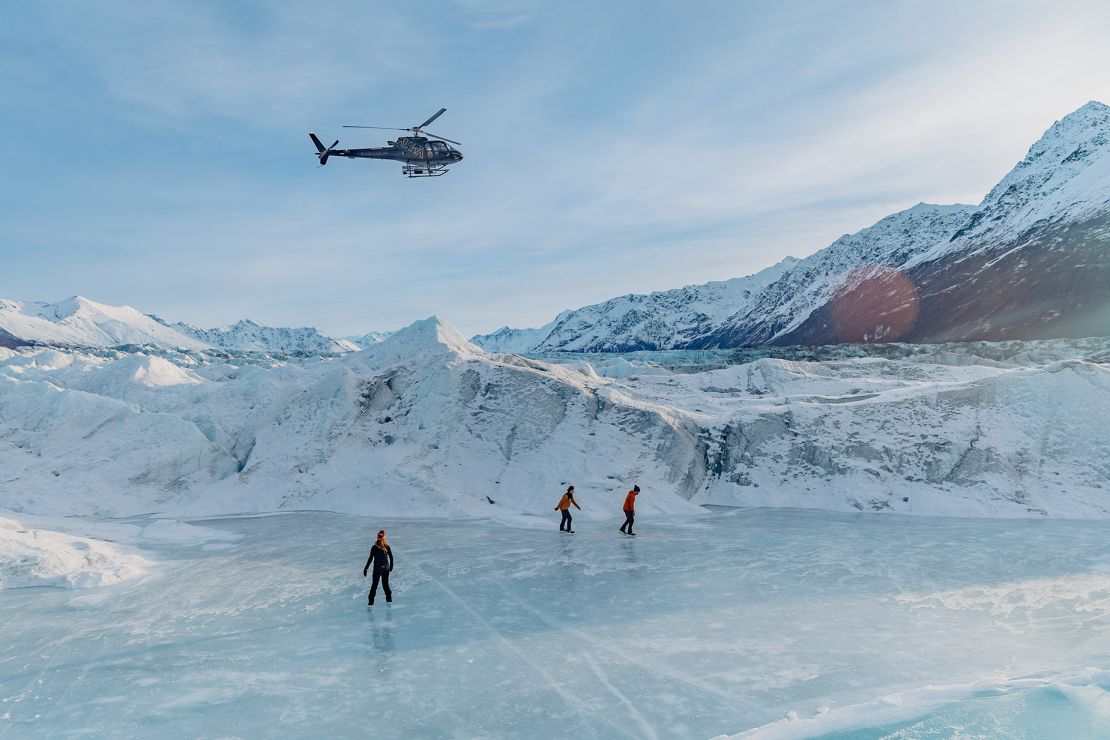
721	624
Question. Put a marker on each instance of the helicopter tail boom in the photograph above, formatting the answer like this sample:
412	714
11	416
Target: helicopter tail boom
322	152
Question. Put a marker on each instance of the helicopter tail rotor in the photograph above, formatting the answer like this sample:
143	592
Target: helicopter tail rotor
322	152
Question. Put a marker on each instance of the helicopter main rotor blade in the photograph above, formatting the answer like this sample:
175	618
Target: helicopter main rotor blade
437	115
383	128
442	138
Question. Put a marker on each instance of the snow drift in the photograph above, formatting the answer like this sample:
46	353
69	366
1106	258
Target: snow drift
40	557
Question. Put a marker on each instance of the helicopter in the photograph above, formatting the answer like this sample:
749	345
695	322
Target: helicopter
422	154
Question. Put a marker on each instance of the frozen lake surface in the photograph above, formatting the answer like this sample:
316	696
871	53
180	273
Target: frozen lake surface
715	625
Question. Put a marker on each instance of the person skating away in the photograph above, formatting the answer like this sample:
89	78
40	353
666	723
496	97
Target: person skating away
381	557
630	511
564	506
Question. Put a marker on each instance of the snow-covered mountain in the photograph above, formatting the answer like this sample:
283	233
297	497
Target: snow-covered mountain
852	259
247	336
79	322
662	320
427	424
1064	178
1031	261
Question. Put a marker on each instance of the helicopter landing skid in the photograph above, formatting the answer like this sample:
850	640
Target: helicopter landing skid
410	170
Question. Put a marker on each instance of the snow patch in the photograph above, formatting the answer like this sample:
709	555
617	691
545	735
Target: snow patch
40	557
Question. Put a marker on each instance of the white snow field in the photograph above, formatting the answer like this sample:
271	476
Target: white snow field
773	623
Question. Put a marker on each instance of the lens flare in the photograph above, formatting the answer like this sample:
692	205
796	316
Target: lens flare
874	304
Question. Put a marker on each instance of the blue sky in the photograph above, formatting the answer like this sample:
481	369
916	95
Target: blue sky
156	154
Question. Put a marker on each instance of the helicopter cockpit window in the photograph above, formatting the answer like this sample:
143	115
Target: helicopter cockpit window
438	147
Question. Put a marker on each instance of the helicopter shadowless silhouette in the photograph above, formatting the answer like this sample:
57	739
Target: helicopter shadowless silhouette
422	154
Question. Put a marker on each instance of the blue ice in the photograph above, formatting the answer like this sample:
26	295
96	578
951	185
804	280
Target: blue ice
718	625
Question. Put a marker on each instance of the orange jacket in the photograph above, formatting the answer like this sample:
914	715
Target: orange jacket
630	501
565	502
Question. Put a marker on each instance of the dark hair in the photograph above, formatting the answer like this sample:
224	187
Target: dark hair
636	489
570	488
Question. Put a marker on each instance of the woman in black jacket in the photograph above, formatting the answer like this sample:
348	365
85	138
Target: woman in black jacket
381	556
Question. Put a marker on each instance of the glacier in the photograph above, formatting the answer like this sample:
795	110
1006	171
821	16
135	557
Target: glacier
425	423
756	623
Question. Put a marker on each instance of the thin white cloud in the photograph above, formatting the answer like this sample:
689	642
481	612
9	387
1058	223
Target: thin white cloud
185	60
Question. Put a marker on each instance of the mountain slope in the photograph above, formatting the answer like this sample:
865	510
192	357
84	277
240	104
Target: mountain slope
852	259
661	320
1064	178
1032	261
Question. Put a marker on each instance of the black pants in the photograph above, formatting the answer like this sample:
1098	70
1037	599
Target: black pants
629	517
383	576
565	524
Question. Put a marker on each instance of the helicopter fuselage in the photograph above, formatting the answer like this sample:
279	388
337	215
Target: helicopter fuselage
411	150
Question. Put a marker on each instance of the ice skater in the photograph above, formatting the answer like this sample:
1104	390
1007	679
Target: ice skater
564	506
630	511
381	557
